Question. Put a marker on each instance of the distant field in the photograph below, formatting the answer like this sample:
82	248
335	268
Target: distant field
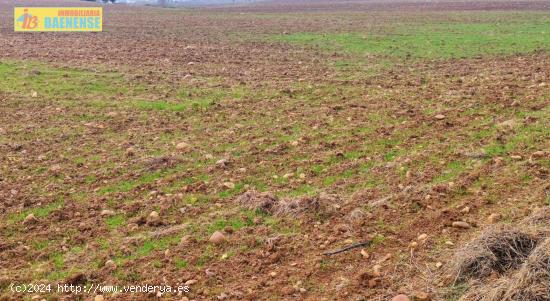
293	129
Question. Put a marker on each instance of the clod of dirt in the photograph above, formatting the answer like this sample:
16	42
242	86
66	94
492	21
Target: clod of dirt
222	163
369	279
461	225
217	238
228	185
493	218
357	216
229	230
130	152
210	272
185	240
538	154
439	116
182	146
168	231
30	219
421	296
107	212
110	264
401	298
153	219
78	278
507	125
497	249
55	169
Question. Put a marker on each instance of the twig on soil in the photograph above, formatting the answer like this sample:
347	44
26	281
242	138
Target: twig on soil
350	247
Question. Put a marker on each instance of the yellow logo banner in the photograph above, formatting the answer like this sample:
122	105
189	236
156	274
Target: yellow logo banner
58	19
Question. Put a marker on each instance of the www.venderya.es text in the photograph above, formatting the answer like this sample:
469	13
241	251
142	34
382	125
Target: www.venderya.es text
36	288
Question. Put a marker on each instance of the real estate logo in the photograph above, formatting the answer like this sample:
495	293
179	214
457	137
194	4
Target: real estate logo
57	19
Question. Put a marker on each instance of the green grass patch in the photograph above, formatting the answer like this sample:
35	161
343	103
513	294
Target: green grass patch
39	212
204	97
206	256
25	77
236	223
180	263
305	189
154	245
115	221
239	187
452	171
40	244
129	185
162	105
452	40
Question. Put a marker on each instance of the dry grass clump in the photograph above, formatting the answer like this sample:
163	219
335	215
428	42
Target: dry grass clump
269	203
530	283
520	256
540	218
491	291
498	249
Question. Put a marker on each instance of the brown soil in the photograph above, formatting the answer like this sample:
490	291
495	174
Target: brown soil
273	254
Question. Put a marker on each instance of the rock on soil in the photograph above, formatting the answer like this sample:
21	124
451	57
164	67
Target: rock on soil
228	185
182	146
421	296
401	298
55	169
107	212
539	154
153	219
222	163
30	219
217	238
461	225
130	152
